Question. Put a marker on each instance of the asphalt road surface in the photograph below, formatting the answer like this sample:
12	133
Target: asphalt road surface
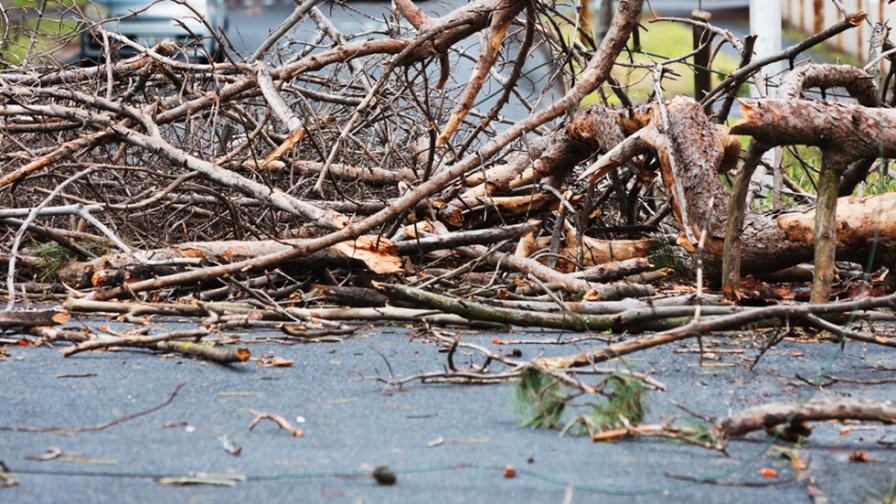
447	443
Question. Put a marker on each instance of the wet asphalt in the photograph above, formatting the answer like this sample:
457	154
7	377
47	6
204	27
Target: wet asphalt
446	443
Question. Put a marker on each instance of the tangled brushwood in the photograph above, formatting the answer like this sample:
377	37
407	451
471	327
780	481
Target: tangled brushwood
317	183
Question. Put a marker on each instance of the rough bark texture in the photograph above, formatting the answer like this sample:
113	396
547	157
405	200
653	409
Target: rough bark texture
737	211
775	242
825	233
855	131
691	154
26	319
687	145
857	82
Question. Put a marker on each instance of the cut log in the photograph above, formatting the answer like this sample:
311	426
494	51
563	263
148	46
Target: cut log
862	87
28	319
854	131
691	146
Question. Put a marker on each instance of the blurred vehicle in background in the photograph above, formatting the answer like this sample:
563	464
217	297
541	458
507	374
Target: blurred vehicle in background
186	23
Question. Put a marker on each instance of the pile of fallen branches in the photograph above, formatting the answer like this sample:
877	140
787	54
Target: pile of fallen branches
317	183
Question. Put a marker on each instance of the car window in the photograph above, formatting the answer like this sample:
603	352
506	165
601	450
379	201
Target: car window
151	8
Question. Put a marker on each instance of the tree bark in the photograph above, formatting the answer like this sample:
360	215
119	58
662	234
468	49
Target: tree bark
695	148
825	233
737	211
594	74
854	131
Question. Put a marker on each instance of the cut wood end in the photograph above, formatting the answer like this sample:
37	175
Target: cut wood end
340	221
857	18
609	435
61	317
243	354
747	108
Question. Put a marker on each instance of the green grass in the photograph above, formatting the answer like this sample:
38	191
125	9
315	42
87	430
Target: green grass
824	52
801	164
52	33
661	41
51	4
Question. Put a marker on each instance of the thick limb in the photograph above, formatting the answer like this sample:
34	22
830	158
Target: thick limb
501	20
825	233
737	209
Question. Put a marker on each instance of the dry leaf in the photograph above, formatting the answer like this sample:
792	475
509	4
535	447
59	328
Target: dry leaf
274	362
380	255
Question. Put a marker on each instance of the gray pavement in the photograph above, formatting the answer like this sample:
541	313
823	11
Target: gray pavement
351	425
